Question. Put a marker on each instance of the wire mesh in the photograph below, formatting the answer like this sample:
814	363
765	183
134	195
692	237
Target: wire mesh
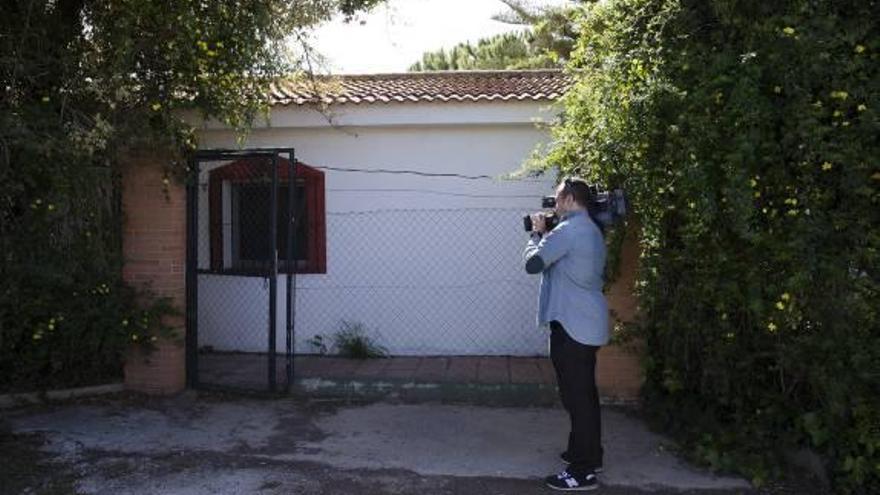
424	282
413	282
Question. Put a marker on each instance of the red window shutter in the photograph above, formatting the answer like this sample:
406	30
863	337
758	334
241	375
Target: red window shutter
245	170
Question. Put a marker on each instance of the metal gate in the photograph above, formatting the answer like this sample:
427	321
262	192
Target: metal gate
241	239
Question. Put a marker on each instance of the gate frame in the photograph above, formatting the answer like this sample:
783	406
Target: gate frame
194	162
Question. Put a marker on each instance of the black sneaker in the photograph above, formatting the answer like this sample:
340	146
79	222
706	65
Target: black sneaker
567	482
567	460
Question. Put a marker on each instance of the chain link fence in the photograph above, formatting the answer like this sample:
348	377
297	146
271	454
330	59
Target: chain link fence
412	282
424	282
418	282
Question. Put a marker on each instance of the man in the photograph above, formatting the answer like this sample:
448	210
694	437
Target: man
571	261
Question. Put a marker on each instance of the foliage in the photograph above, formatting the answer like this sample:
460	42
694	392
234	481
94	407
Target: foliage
546	41
503	51
746	135
352	341
85	83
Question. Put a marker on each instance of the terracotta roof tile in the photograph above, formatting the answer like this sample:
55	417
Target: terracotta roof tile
453	86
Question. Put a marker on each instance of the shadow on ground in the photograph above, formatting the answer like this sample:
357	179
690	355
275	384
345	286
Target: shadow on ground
209	443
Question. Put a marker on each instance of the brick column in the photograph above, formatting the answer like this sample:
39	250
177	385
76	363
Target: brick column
154	247
619	374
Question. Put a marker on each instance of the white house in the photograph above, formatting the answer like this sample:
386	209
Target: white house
413	231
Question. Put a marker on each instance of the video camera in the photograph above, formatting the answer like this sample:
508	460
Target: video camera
606	208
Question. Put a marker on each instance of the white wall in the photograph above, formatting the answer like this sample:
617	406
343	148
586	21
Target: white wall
429	265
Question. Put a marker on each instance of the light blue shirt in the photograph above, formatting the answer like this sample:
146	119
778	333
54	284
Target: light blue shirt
571	260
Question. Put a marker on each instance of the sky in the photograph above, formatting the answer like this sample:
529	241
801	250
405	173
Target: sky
395	35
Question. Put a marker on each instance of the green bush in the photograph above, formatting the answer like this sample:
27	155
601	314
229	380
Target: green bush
83	87
352	341
746	134
66	318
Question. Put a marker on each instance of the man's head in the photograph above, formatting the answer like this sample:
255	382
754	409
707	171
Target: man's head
572	194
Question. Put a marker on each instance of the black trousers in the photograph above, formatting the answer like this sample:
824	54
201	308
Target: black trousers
575	366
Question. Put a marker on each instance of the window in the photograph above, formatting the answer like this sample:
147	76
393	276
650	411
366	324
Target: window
241	214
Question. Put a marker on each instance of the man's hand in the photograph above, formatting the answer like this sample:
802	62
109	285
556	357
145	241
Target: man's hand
539	224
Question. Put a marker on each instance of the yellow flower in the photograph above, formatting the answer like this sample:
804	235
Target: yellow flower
788	30
862	107
780	306
771	326
45	99
156	106
839	95
134	337
757	194
827	166
837	113
860	48
777	89
753	182
785	296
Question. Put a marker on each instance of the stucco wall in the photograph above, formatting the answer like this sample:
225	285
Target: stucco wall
429	265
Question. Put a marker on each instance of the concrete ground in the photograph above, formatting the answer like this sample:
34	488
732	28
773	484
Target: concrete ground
208	443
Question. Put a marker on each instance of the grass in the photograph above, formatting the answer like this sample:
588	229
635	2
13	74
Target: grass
352	341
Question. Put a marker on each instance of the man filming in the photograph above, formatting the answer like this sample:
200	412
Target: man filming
571	261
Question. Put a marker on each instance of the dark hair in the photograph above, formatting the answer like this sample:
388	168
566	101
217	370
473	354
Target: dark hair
578	189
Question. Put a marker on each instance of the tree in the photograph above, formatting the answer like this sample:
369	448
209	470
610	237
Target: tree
546	41
745	134
504	51
83	82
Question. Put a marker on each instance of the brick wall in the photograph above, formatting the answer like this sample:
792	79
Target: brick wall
154	246
619	374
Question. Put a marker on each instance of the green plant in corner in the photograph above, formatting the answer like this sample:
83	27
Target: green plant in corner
352	341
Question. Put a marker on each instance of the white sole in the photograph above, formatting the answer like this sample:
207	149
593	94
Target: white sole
578	489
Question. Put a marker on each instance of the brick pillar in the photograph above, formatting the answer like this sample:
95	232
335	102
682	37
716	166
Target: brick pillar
154	247
619	374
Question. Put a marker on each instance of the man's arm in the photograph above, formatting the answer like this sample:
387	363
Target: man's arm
541	253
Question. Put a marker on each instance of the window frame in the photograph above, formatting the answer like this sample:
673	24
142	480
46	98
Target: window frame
244	171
